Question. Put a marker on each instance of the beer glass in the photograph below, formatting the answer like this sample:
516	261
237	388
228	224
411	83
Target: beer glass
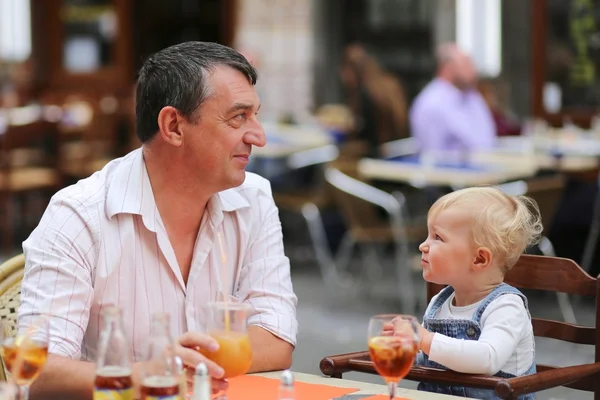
393	356
226	323
25	353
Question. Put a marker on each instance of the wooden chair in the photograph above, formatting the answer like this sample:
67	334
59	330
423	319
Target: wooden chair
36	174
531	272
11	274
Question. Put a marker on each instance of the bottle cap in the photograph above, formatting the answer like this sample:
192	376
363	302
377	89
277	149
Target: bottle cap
287	378
201	370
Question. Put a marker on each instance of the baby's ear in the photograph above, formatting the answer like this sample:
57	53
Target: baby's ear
483	259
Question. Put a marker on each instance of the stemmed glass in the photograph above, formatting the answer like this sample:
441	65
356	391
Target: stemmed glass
226	323
393	352
8	391
26	353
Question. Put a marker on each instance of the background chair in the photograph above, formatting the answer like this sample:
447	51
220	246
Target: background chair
374	218
24	177
530	272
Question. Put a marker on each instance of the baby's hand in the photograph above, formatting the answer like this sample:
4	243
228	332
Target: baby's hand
401	327
398	327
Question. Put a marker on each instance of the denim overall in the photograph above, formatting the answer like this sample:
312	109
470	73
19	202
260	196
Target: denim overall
467	330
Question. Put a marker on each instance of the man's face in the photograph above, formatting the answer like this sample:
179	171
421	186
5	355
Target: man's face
465	75
218	142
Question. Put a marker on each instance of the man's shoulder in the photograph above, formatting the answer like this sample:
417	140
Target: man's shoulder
430	98
88	192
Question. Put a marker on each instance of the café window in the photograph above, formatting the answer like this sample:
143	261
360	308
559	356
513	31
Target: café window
90	30
15	30
478	32
572	54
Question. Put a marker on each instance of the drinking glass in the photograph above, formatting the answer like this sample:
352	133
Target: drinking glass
25	353
8	391
393	355
226	323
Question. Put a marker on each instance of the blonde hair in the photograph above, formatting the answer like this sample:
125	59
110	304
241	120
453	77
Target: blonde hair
505	224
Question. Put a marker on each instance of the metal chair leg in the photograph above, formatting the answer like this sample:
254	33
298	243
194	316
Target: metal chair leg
331	277
344	253
564	302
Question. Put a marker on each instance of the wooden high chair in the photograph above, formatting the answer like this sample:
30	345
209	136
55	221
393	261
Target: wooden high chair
530	272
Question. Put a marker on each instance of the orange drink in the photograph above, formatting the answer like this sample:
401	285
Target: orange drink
24	358
234	354
392	356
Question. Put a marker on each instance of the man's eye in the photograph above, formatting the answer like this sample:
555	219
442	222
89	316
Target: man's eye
240	117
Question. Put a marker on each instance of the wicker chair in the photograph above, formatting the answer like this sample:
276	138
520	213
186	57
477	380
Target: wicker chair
11	273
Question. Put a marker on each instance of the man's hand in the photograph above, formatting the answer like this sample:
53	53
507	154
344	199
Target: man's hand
188	349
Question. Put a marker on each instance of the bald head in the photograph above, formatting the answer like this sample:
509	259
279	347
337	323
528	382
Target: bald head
455	66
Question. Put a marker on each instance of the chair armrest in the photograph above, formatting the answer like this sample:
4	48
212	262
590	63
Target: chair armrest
335	366
513	387
425	374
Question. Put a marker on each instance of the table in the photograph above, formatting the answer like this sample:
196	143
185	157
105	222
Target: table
577	152
482	171
365	388
285	140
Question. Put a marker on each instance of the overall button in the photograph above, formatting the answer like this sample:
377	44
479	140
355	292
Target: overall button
470	332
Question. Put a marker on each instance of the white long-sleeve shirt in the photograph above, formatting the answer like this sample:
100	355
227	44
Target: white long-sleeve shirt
102	241
506	342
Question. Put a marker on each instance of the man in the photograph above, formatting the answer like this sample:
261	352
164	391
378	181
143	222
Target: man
145	232
450	114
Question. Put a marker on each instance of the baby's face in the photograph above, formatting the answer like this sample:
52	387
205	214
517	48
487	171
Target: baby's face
449	251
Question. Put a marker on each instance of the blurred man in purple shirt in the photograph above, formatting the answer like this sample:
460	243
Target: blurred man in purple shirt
450	114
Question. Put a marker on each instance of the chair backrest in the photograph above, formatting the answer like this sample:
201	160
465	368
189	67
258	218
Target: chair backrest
545	190
557	275
11	274
357	199
41	135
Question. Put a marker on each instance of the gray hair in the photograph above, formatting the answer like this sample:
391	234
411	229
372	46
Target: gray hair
178	77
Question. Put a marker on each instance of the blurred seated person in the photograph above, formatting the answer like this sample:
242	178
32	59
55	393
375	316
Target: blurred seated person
450	114
505	125
376	99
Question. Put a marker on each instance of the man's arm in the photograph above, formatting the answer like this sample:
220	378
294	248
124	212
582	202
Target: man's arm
63	378
58	282
270	352
265	284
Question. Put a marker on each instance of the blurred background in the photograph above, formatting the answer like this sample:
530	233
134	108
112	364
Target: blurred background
337	81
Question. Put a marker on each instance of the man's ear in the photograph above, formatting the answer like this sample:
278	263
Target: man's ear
169	126
483	259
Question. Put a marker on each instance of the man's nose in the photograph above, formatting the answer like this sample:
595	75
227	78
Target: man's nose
256	135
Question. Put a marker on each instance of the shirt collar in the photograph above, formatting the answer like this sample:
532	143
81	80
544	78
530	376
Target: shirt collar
452	90
130	192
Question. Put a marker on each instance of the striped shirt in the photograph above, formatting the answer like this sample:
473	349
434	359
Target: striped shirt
102	241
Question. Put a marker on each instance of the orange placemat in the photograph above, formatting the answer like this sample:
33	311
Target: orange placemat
248	387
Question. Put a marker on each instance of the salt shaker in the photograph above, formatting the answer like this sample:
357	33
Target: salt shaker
286	386
202	389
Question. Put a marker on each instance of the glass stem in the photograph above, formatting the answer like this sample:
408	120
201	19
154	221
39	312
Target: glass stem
23	392
392	387
221	396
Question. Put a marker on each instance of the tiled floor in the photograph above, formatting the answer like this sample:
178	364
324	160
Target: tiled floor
333	322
